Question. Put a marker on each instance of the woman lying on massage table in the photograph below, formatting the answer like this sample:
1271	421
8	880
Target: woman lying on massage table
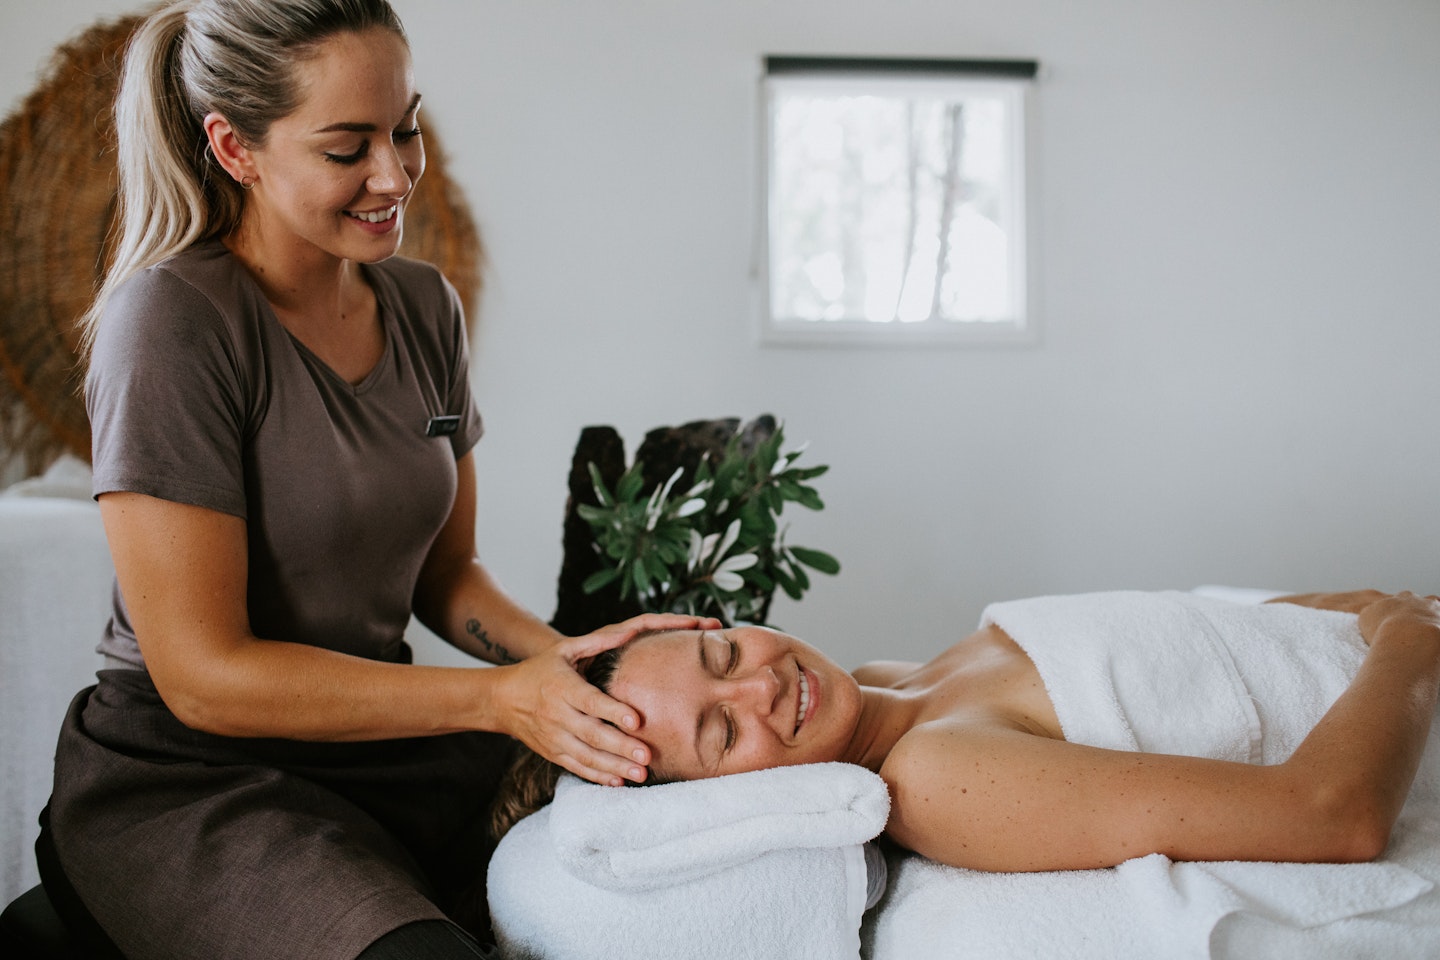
980	773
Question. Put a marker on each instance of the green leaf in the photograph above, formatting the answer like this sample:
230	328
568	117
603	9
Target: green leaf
601	493
629	486
773	499
639	577
769	452
656	567
600	579
809	498
788	584
816	559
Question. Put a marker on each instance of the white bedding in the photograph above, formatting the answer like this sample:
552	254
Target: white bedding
1248	684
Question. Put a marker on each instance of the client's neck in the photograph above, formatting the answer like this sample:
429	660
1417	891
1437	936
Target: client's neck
885	716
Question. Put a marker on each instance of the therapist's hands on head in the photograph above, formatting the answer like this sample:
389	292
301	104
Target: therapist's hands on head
556	713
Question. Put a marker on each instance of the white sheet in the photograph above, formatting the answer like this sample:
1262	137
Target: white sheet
55	580
1245	683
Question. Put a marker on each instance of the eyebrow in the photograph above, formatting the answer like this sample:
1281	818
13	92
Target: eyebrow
367	127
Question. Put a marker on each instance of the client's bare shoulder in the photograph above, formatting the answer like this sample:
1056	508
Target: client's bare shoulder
984	679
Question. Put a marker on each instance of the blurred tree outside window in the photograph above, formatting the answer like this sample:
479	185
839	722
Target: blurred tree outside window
896	203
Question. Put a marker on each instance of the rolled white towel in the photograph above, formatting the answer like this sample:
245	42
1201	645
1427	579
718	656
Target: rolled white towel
641	839
770	864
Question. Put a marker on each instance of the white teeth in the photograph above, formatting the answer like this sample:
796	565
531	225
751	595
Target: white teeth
378	216
804	699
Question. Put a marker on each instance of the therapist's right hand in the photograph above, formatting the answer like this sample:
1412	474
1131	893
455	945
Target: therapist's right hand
553	710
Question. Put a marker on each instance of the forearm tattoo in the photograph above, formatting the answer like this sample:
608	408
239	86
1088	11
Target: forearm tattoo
496	652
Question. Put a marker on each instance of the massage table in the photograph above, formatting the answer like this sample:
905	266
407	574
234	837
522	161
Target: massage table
784	863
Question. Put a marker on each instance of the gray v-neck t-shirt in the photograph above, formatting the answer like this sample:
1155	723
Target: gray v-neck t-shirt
197	394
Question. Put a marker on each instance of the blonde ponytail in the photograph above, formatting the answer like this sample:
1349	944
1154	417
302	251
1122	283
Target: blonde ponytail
163	206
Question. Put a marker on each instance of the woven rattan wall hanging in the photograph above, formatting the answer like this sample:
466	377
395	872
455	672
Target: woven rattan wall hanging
57	180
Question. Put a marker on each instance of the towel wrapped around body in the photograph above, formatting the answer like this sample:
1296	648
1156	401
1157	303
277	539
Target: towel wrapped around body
1185	674
1193	675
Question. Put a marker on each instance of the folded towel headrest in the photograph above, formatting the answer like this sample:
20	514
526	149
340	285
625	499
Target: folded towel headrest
643	838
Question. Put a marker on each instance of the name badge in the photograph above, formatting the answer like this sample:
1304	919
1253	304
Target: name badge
445	426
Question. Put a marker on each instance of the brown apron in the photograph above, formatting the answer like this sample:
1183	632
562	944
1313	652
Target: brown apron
186	844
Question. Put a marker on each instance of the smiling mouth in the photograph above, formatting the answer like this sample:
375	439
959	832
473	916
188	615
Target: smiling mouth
804	704
374	216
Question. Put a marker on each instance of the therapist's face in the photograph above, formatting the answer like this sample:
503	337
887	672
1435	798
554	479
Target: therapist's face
729	701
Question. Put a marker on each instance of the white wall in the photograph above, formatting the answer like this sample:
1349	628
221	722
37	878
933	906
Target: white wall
1239	215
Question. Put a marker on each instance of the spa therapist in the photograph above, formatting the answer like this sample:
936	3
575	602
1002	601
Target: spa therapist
283	428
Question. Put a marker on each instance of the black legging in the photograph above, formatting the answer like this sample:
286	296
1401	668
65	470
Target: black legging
426	940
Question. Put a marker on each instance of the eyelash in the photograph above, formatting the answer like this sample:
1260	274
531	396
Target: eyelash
402	138
729	669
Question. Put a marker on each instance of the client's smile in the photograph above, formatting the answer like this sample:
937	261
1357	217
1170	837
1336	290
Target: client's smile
803	707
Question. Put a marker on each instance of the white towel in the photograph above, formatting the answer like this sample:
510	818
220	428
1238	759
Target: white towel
1179	673
649	837
769	864
1185	674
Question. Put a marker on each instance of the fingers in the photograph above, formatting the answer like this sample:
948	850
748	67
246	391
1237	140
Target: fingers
1401	608
618	634
575	649
566	720
600	753
597	766
670	621
596	703
587	765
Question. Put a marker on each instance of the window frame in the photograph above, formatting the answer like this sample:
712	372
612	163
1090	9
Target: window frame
1015	78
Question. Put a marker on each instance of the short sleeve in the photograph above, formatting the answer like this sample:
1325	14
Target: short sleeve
460	399
165	398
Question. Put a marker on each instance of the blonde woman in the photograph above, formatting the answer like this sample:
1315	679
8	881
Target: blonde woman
283	428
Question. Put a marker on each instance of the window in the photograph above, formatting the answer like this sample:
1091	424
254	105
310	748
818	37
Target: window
895	201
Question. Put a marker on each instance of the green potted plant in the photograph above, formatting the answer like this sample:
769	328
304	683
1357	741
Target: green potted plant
715	549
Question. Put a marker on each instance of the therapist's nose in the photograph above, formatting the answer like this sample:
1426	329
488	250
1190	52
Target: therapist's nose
389	177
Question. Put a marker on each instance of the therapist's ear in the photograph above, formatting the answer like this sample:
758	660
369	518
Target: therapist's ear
230	152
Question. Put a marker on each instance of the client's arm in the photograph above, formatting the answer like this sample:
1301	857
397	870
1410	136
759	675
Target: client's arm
980	794
1350	601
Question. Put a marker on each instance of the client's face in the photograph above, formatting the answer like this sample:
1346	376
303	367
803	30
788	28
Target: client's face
729	701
